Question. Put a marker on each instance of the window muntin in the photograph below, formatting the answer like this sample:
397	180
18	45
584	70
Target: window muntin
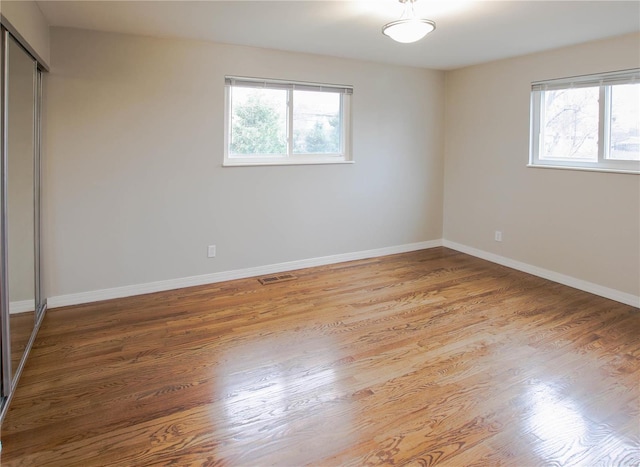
281	122
589	122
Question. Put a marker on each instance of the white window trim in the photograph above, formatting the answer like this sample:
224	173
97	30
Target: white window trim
343	157
603	80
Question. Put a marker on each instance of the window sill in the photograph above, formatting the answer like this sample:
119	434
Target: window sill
584	169
262	163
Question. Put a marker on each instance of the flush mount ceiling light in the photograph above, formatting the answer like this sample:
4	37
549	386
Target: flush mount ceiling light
408	28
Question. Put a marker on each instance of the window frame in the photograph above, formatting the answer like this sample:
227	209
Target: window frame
344	156
604	81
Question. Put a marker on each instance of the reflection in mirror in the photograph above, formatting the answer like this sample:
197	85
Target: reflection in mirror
20	199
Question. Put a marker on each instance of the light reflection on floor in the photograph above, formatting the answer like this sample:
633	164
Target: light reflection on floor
564	433
293	406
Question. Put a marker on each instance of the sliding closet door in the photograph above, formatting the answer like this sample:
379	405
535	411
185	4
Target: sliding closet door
19	207
21	199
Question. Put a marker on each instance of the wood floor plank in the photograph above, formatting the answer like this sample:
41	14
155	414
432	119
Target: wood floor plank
424	358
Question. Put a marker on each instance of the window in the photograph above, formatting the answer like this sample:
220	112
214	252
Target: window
587	122
283	122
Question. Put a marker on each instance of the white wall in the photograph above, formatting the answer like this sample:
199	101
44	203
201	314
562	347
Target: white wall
25	16
134	190
584	225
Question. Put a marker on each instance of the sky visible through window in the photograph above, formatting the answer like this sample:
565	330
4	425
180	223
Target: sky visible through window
625	122
571	124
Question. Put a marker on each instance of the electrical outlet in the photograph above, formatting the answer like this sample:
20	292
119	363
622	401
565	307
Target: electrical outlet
211	251
498	236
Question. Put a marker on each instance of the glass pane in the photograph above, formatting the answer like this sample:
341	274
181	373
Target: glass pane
625	122
20	199
570	124
258	121
316	122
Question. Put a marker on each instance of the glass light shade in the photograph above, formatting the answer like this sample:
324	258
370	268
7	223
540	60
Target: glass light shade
408	30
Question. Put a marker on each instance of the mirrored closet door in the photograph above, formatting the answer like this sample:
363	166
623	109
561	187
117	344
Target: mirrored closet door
21	306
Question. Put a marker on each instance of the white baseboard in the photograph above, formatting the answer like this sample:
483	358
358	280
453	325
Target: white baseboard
159	286
150	287
22	306
613	294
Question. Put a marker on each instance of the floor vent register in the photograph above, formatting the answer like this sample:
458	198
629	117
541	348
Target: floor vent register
276	279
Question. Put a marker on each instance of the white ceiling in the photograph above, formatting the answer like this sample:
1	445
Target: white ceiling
468	32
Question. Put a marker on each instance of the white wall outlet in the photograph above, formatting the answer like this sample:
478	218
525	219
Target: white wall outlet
498	236
211	251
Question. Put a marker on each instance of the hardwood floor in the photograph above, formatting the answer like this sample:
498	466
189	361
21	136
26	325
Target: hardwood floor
21	325
425	358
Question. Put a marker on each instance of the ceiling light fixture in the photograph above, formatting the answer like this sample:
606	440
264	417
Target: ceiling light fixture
408	28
